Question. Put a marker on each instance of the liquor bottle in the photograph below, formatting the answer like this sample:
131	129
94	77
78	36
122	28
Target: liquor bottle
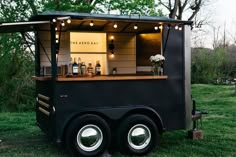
69	70
79	66
98	68
90	69
75	67
83	69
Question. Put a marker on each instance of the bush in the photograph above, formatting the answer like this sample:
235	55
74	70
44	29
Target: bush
17	67
208	66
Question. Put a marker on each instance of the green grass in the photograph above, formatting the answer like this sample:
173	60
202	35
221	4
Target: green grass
21	137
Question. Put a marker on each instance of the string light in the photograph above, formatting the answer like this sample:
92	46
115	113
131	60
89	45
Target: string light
176	27
54	20
55	28
135	26
91	24
68	21
115	25
156	28
62	23
180	28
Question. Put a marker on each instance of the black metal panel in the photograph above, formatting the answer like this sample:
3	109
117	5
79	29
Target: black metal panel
164	96
45	122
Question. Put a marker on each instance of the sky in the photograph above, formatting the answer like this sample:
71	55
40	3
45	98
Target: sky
221	12
225	11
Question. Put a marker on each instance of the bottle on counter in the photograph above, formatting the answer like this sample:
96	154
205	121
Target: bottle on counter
90	69
79	66
69	70
83	69
75	67
98	68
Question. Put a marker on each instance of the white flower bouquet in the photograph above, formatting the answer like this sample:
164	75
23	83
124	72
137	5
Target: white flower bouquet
157	61
158	58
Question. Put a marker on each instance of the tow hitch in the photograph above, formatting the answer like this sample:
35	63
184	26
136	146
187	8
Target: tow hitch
196	132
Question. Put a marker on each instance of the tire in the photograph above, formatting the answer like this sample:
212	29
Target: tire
140	125
80	136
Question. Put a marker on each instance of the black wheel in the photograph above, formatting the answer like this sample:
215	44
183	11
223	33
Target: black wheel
87	136
137	135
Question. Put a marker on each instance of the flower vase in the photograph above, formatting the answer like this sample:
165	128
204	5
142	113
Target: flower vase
156	69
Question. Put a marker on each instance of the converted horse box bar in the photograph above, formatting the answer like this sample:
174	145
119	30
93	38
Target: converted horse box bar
95	87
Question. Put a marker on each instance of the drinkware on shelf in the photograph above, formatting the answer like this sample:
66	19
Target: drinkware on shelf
83	69
69	70
90	69
75	67
79	66
98	68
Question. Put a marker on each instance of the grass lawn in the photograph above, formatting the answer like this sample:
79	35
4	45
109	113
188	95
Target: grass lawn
21	137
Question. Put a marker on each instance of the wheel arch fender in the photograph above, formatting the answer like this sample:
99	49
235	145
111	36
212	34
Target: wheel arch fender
149	112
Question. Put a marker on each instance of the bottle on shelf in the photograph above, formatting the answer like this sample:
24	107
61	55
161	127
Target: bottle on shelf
90	69
98	68
69	70
75	67
79	66
83	69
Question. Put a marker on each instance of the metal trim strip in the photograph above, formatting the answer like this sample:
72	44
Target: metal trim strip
43	104
43	97
43	111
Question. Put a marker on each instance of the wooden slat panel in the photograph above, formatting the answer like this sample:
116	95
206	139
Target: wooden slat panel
122	57
122	64
121	70
125	53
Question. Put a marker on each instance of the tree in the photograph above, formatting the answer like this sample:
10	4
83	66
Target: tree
177	8
16	86
124	7
73	5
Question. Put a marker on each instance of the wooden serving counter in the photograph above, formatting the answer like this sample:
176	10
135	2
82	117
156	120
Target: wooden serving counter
102	78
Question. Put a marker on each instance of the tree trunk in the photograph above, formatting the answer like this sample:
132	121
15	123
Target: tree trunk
174	10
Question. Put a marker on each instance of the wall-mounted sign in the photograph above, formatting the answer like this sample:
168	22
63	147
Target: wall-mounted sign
88	42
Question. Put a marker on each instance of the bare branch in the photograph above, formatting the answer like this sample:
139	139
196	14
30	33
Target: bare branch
163	4
195	8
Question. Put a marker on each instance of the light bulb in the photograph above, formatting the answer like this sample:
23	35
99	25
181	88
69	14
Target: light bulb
156	28
135	26
91	24
62	23
54	20
176	27
112	37
68	21
115	25
180	28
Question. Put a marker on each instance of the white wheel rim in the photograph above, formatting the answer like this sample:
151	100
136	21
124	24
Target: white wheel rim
139	137
89	138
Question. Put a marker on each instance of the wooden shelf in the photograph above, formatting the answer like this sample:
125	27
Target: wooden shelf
102	78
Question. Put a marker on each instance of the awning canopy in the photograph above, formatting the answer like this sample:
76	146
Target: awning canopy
106	22
21	26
